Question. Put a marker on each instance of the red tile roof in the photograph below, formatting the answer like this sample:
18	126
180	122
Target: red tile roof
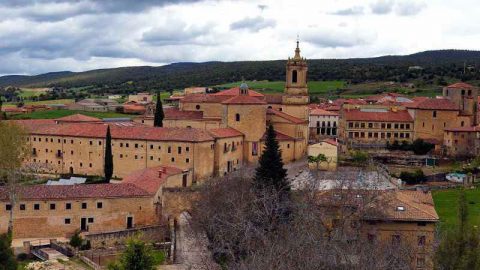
244	99
285	116
54	192
235	91
434	104
330	141
132	132
461	85
418	206
175	113
321	112
78	118
151	179
388	116
224	132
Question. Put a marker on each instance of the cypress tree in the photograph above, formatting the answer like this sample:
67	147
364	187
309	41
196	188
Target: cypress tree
108	166
270	172
159	115
7	258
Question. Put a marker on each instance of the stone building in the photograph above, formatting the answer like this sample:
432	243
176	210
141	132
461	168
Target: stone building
373	127
58	211
462	142
323	124
399	219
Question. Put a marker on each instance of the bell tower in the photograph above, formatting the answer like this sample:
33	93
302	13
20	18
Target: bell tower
296	75
295	98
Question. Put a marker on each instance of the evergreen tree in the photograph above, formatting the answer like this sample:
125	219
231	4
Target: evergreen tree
159	115
108	166
270	172
7	258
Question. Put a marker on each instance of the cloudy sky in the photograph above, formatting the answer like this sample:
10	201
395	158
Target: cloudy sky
38	36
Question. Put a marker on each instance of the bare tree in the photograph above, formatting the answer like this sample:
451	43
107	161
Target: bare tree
324	230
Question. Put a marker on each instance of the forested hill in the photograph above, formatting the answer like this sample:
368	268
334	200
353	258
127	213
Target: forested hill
448	63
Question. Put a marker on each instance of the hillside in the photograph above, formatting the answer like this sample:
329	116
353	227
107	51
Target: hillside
443	63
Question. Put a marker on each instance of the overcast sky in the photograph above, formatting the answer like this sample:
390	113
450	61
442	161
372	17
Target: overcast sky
38	36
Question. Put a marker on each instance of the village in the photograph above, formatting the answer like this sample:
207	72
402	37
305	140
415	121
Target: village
104	180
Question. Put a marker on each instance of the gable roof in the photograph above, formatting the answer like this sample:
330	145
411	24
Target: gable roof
279	136
285	116
63	192
151	179
461	85
224	132
244	99
434	104
175	113
78	118
387	116
235	91
418	206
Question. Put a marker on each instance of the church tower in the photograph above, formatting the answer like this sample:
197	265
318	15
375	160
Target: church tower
295	98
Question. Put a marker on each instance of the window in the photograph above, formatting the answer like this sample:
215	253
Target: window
136	157
169	150
434	114
67	221
396	239
462	123
173	159
421	240
151	146
91	142
84	205
151	157
294	76
179	149
237	117
90	220
127	145
8	207
22	207
52	206
197	107
187	149
36	206
254	148
121	144
121	155
68	206
99	205
187	160
136	145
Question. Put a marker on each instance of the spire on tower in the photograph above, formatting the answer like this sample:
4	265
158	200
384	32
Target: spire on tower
297	50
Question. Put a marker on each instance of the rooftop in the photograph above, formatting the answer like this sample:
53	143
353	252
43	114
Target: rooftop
322	112
461	85
78	118
285	116
244	99
235	91
377	116
225	132
433	104
150	179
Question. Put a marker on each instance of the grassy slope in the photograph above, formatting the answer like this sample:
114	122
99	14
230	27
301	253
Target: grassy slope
314	87
52	114
446	206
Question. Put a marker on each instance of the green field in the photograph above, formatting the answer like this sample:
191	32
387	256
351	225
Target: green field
53	114
446	206
314	87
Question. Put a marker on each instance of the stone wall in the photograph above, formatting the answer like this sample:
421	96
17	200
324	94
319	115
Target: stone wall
156	233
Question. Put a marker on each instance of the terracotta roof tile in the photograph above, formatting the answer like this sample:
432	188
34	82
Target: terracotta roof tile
175	113
279	136
235	91
204	98
330	141
78	118
417	205
54	192
434	104
244	99
388	116
132	132
461	85
224	132
151	179
285	116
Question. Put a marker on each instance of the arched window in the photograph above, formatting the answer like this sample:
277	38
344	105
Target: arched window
197	107
237	117
294	76
462	123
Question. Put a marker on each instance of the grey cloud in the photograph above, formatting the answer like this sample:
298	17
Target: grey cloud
409	8
382	6
177	33
338	39
55	10
356	10
254	24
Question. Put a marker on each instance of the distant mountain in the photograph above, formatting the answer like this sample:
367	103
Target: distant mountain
447	63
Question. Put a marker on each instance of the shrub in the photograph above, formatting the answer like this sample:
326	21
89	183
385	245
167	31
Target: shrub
360	157
76	240
413	178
